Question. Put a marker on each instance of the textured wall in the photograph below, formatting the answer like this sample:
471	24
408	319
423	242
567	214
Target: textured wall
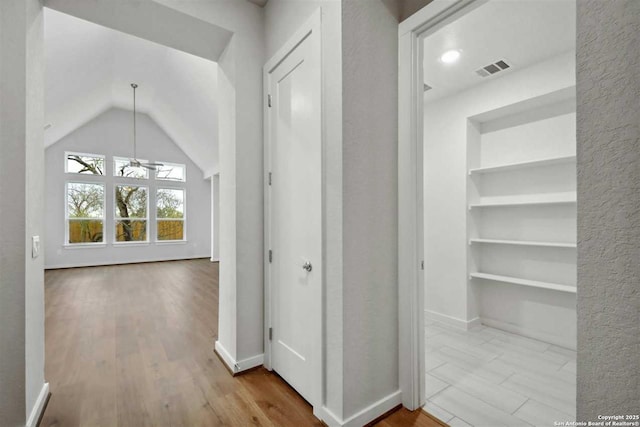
21	212
12	212
370	202
608	133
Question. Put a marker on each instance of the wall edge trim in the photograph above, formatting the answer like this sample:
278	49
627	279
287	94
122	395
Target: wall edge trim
38	407
107	263
461	324
366	415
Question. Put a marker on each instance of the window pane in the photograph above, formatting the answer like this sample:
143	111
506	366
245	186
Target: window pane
130	201
121	168
85	200
85	231
170	230
170	203
131	230
85	163
171	172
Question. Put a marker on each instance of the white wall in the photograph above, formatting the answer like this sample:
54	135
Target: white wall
370	195
445	176
241	172
110	134
608	214
215	217
21	214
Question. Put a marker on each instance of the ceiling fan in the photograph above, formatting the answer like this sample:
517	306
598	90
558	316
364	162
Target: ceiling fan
134	162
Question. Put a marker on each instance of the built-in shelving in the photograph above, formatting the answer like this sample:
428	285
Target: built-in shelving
524	165
525	282
524	243
556	201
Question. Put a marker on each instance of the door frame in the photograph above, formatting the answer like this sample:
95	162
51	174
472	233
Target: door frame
411	34
312	25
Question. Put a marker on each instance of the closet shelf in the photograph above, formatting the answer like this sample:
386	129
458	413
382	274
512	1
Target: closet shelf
525	282
524	243
524	165
559	201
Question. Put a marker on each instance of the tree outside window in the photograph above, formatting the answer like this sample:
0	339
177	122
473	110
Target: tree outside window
131	213
170	213
85	212
91	164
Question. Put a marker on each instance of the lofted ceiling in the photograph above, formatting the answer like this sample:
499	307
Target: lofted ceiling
89	68
521	32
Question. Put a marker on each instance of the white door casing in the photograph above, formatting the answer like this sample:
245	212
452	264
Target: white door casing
411	33
293	212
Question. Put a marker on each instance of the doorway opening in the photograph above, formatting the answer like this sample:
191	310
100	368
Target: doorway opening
495	135
128	200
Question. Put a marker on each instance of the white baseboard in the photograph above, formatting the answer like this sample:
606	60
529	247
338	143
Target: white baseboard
215	260
38	407
120	262
364	416
241	365
464	325
536	335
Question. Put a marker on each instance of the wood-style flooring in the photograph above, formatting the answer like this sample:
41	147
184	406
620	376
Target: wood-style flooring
132	346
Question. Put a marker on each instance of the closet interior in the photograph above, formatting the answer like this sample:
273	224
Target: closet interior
500	214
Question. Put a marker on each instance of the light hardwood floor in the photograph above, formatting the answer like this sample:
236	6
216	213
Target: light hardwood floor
132	346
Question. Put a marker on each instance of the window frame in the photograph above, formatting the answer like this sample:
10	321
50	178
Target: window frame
103	243
184	213
147	177
184	175
117	218
76	153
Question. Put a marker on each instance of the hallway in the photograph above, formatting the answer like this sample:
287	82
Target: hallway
132	345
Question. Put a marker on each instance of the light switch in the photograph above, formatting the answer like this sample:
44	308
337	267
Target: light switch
35	246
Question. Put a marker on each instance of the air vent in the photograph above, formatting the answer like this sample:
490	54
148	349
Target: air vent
494	68
427	87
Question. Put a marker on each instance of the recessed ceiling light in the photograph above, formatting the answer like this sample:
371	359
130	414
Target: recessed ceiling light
450	56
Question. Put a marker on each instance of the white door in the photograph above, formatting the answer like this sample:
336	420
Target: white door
294	150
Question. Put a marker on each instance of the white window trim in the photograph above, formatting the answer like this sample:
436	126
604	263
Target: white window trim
66	215
75	153
183	219
117	218
184	175
128	160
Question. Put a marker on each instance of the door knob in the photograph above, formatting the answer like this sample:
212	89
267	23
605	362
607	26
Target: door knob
307	266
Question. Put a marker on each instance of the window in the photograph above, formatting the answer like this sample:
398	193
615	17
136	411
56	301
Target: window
171	172
170	214
131	206
91	164
85	213
122	167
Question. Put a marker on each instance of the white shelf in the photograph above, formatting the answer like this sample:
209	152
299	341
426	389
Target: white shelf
524	165
525	282
541	202
524	243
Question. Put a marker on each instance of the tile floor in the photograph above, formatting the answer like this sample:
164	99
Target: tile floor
486	377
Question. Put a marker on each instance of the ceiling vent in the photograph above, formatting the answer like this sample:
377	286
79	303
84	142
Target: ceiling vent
427	87
494	68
